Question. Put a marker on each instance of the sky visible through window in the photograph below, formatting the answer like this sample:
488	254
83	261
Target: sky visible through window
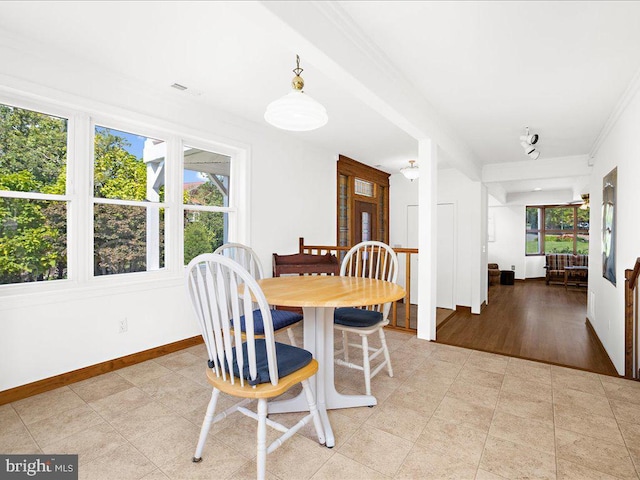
137	144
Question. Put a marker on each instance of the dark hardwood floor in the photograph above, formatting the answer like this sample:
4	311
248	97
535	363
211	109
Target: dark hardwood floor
531	320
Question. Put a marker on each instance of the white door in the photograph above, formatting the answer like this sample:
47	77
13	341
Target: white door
445	255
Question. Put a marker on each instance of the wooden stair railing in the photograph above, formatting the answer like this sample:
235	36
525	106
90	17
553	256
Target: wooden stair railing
340	251
631	321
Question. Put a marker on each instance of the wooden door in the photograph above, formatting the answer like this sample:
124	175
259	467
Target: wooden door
366	227
362	200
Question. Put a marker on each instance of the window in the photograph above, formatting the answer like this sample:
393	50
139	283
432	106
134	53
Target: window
557	229
128	212
206	177
33	196
363	187
87	199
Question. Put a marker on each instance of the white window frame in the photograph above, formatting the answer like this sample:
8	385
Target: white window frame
169	207
71	117
81	124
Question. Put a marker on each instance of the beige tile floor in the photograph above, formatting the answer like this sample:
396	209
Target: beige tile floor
447	413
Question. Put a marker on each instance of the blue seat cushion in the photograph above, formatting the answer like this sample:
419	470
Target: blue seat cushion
356	317
290	359
280	318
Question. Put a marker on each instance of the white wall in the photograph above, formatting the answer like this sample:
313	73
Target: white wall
620	149
292	194
402	193
507	247
467	197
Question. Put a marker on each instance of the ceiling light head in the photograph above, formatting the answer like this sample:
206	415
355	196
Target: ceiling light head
527	148
529	139
534	154
296	111
411	172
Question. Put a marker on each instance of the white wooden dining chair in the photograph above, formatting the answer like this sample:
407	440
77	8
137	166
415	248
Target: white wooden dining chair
370	259
256	368
245	256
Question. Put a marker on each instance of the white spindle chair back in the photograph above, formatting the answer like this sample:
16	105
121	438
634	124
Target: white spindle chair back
220	289
372	259
245	256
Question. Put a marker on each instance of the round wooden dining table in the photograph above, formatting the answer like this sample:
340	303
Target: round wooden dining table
319	295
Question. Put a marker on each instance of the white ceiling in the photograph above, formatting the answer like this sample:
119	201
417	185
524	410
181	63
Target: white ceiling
487	69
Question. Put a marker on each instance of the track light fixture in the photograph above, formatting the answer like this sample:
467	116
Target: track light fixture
527	141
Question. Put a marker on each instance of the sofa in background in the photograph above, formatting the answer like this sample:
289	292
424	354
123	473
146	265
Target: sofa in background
556	263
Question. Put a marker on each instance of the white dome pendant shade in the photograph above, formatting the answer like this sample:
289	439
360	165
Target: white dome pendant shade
296	111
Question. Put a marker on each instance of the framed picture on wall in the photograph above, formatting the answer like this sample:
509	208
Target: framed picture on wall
609	187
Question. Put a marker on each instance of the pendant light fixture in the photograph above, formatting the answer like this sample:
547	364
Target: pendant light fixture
296	111
411	172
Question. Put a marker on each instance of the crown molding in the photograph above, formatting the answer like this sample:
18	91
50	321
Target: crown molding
342	21
349	56
626	98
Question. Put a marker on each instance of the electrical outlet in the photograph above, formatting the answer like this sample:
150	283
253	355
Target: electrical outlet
123	325
513	267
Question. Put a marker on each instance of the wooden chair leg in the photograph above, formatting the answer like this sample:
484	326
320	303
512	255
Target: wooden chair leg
261	458
365	364
385	350
206	425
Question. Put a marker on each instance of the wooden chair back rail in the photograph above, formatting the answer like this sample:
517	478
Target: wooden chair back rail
631	361
340	253
305	263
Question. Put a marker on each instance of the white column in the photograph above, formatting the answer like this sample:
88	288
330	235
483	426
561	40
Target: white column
427	199
478	248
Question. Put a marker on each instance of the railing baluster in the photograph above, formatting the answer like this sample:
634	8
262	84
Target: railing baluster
407	298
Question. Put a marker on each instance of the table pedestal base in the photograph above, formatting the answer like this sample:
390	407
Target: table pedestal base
318	339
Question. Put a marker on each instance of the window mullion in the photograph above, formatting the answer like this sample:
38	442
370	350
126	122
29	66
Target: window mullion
79	186
543	230
575	230
174	249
